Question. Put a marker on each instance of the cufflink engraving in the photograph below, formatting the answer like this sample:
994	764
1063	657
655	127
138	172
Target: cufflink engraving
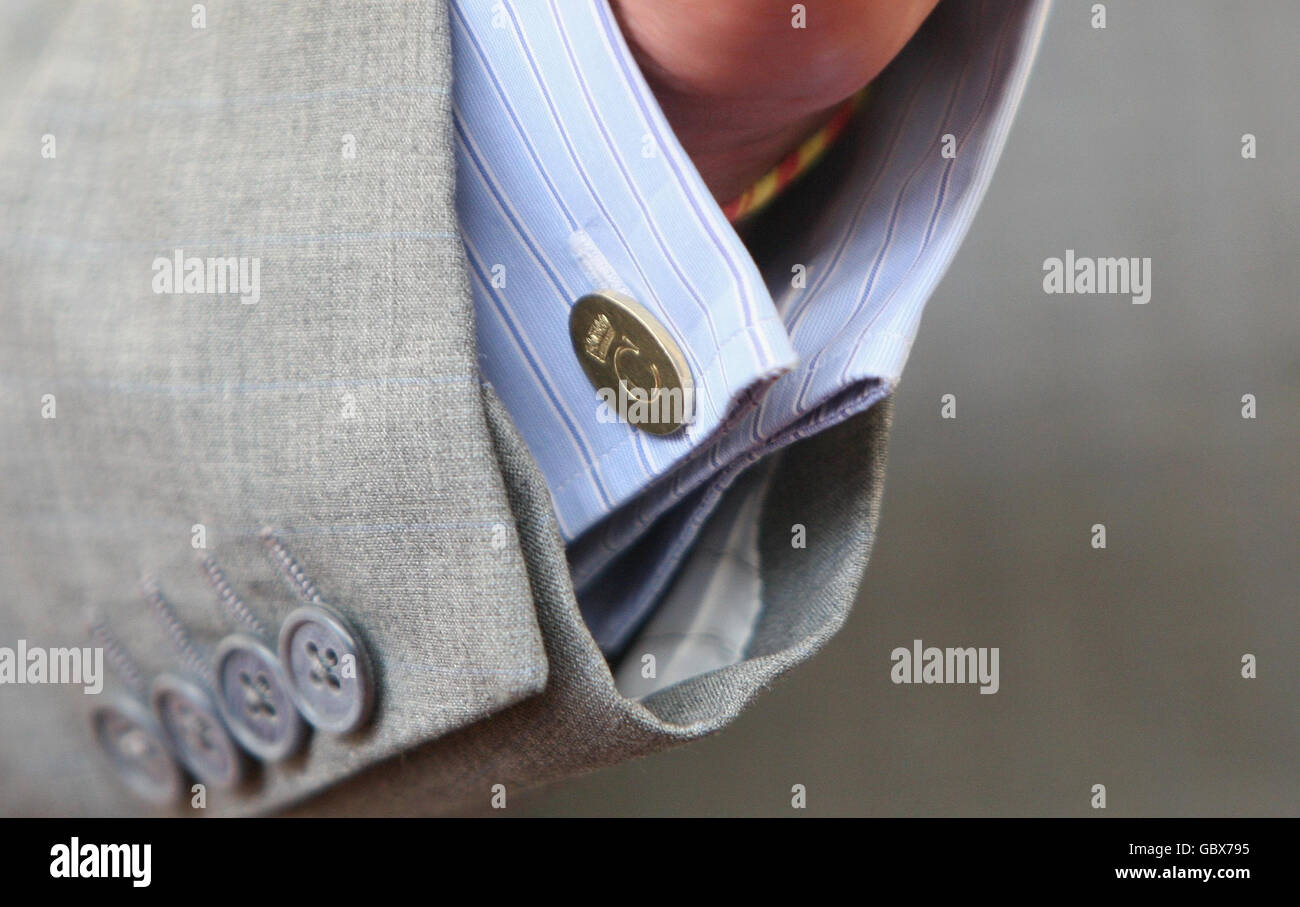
635	365
600	335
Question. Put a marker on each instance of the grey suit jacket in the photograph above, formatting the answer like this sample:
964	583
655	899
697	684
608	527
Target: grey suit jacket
142	432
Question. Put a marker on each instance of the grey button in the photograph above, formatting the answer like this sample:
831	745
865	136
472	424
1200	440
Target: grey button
254	699
200	739
327	669
134	745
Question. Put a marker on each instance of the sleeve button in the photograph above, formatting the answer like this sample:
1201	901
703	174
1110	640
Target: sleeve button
135	747
254	699
326	668
186	713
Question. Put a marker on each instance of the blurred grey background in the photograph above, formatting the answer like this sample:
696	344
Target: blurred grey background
1120	667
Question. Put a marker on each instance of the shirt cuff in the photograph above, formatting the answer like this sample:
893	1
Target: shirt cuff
571	180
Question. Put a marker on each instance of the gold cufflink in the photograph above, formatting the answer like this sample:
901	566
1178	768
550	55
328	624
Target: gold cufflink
639	372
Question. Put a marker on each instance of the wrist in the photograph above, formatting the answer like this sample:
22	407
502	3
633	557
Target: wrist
731	162
742	82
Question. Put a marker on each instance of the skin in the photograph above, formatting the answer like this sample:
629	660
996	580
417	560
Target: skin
742	87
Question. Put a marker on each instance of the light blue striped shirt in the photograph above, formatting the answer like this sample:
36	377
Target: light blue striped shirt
570	180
